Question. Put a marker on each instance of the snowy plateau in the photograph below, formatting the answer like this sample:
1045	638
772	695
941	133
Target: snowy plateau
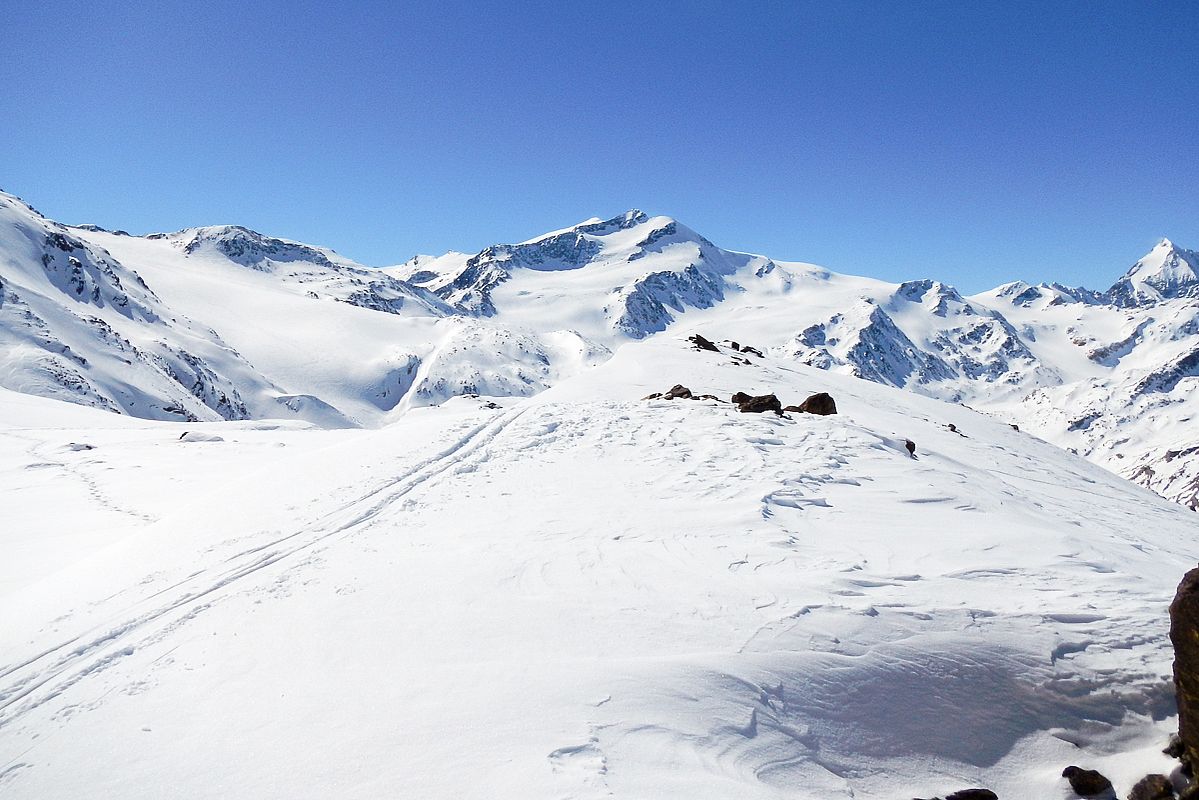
308	529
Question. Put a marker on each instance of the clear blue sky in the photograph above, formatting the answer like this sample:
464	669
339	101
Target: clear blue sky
971	141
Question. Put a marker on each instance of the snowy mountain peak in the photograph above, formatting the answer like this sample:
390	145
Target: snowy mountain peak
246	247
1166	272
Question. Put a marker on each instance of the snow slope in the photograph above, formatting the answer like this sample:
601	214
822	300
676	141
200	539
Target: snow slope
579	594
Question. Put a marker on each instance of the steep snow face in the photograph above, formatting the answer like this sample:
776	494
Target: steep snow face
1166	273
76	324
579	594
628	277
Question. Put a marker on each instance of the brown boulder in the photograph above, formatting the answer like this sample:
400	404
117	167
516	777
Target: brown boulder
1086	782
740	397
759	404
677	392
911	447
1152	787
820	403
1184	635
973	794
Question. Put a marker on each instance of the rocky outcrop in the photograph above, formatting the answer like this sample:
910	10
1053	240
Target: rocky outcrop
1184	635
1086	782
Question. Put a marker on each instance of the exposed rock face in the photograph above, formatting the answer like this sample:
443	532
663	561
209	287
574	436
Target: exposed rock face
1086	782
1184	635
1152	787
703	344
740	397
820	403
760	404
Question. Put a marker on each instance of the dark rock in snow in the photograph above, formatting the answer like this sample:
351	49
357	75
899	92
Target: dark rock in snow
1184	635
911	446
820	403
654	396
702	344
1086	782
973	794
759	404
740	397
1152	787
677	392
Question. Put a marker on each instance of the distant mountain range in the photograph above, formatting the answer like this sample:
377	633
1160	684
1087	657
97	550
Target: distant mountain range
226	323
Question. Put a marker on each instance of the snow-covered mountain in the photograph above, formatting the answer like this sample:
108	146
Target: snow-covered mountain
413	532
223	322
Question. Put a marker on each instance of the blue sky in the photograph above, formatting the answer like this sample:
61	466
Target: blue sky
974	142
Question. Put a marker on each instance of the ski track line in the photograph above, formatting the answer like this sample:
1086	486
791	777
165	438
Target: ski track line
85	647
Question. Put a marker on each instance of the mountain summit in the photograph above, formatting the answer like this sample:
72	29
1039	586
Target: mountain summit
1165	273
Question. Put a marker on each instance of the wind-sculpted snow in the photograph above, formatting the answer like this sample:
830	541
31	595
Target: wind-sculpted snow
580	594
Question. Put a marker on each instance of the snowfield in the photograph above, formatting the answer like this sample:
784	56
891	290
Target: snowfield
308	529
578	594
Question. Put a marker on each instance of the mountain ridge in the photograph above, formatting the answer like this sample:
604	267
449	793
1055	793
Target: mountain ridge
1106	374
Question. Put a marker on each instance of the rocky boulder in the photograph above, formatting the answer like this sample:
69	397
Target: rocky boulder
759	404
1086	782
1152	787
820	403
676	392
1184	635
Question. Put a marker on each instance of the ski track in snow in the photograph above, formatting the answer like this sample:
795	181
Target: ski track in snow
591	596
31	683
